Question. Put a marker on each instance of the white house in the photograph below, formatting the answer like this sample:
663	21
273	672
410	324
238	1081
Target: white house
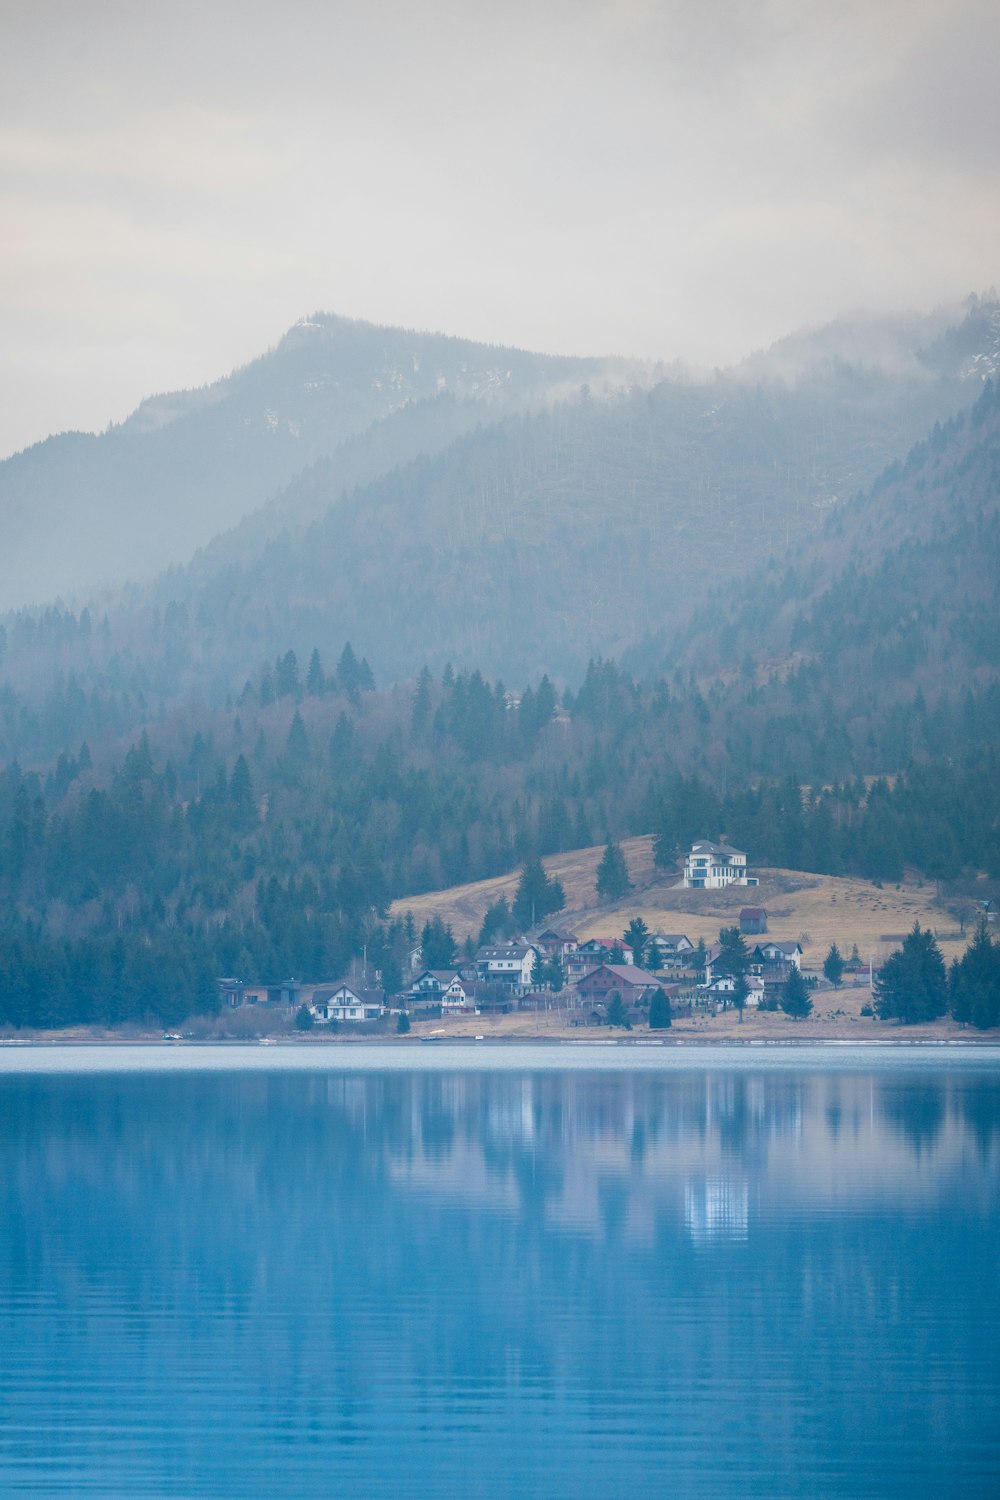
345	1002
444	987
780	952
511	964
709	867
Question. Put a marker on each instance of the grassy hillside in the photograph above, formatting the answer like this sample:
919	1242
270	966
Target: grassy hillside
816	909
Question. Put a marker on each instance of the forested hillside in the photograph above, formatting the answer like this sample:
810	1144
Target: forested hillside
520	547
898	590
81	511
268	839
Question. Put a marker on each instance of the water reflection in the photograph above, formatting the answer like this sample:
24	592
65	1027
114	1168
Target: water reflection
488	1284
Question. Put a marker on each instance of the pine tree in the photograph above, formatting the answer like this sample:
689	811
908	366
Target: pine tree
659	1010
241	796
612	874
297	745
796	1000
616	1013
437	945
636	937
975	982
315	676
833	966
537	897
913	984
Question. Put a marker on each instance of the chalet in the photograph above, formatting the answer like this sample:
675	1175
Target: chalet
710	867
720	992
753	921
445	987
775	952
510	965
631	983
555	942
591	954
347	1002
669	950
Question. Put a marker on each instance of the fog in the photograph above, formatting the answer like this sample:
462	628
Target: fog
662	180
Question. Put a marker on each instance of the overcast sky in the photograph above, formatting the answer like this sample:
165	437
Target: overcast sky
669	178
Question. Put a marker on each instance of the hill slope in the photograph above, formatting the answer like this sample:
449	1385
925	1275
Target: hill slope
80	511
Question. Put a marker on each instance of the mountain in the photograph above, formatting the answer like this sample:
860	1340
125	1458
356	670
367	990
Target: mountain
543	538
899	585
600	523
79	511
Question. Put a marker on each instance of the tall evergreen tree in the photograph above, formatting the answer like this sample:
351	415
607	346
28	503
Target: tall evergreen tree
659	1010
975	982
913	984
796	1000
537	897
833	966
636	936
612	874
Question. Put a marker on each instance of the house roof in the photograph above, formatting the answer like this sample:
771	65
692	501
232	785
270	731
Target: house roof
559	934
444	977
323	994
784	945
670	937
625	974
705	846
511	950
750	913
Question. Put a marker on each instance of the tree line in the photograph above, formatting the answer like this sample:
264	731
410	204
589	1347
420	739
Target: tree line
267	839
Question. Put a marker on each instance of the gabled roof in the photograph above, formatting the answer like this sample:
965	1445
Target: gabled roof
705	846
323	994
784	945
509	950
625	974
751	913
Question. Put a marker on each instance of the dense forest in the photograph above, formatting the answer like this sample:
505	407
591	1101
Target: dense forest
268	839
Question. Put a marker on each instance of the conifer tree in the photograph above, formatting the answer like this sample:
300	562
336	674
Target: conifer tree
659	1010
913	984
612	874
796	1000
833	966
975	982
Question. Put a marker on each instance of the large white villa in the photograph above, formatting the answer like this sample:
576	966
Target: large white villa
709	867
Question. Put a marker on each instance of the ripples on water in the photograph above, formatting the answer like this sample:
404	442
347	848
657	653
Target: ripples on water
758	1279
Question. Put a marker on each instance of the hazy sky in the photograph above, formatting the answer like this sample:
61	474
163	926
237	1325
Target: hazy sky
669	178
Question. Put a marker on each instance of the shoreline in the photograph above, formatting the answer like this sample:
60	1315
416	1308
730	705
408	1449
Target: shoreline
492	1043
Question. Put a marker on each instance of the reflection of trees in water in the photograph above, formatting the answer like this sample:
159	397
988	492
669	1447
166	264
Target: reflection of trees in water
978	1102
914	1108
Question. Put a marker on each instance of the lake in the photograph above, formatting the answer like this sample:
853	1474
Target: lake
370	1271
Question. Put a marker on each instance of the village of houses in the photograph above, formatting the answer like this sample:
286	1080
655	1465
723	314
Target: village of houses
597	974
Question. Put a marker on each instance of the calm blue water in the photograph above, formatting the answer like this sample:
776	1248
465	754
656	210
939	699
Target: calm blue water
436	1272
